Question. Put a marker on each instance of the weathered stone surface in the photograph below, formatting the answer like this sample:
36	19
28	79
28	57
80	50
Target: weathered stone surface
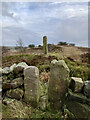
6	85
86	88
4	78
12	67
31	85
20	67
0	72
0	79
78	97
7	100
13	84
43	103
17	82
6	70
76	84
79	110
58	84
45	46
15	93
0	93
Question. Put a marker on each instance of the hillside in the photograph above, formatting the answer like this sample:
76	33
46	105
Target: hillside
77	60
79	54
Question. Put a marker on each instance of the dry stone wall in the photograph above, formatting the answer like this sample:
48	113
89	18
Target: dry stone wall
21	81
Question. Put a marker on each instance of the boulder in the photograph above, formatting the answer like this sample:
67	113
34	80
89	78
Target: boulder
13	84
43	103
76	84
79	110
0	72
86	88
7	101
4	78
0	80
15	93
58	83
17	82
31	85
78	97
20	67
6	70
12	67
6	85
0	93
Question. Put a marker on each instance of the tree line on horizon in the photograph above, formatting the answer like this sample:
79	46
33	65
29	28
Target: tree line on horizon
59	43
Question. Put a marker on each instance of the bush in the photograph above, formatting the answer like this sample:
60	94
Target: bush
39	46
62	43
78	70
31	46
71	44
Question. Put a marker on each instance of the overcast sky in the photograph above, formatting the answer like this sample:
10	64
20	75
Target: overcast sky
59	21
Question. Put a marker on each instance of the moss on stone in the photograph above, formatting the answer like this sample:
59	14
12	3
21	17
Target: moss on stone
79	110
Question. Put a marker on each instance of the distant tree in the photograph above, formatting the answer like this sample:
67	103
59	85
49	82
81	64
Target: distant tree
39	46
72	44
62	43
20	45
31	45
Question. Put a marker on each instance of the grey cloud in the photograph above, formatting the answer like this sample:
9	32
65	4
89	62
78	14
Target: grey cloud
11	35
46	19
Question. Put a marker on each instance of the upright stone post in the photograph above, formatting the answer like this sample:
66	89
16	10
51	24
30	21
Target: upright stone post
45	46
58	84
31	85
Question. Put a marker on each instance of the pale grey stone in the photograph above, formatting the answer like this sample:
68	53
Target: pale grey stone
58	84
6	70
13	84
4	78
20	67
1	72
76	84
86	88
0	80
12	67
7	100
17	82
31	85
43	103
